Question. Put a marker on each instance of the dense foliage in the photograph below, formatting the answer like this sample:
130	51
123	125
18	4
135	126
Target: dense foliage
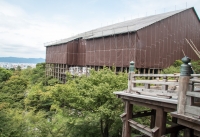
34	105
176	66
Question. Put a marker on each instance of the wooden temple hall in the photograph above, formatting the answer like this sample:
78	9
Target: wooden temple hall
171	101
152	42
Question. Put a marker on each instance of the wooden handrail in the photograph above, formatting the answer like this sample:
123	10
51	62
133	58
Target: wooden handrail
193	94
156	75
163	75
155	82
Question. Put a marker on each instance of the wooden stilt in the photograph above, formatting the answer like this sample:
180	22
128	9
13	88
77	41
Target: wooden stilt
149	70
153	117
174	120
127	129
160	121
153	72
138	70
188	132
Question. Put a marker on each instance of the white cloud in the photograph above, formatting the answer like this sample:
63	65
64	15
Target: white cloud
23	34
29	31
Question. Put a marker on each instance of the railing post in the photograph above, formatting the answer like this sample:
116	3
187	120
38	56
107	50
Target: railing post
183	85
130	76
165	87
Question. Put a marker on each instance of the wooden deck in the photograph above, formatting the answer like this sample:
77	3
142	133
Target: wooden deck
161	94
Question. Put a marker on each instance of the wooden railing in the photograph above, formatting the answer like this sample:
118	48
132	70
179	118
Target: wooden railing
181	93
159	85
192	107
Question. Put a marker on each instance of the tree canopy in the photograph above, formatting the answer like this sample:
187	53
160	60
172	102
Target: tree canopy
34	105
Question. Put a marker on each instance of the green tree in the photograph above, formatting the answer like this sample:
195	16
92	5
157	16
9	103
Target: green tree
175	68
39	99
196	66
4	74
38	73
90	102
13	91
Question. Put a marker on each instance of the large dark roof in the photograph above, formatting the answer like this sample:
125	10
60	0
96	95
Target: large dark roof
123	27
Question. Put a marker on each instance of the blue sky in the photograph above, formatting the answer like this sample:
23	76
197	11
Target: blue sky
25	25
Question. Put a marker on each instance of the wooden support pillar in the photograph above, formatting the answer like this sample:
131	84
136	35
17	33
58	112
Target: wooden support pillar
183	87
175	134
138	70
144	71
153	117
149	70
126	127
160	121
153	72
188	132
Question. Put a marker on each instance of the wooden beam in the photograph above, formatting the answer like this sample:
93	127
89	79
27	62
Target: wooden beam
142	114
155	82
157	75
143	128
189	124
174	129
192	110
151	102
197	133
123	116
193	94
167	92
186	118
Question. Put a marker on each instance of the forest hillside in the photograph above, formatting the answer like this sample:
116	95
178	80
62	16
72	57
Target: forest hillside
34	105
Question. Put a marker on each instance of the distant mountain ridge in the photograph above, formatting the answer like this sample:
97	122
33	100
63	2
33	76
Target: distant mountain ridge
21	60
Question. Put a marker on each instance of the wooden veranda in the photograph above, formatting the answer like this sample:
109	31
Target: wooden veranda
164	94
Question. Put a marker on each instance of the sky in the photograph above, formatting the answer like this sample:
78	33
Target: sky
26	25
